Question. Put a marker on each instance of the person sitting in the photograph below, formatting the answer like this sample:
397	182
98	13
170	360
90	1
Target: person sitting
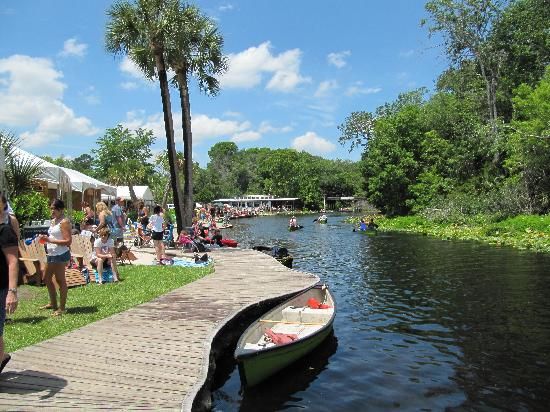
217	238
203	234
371	225
322	218
104	254
362	225
184	240
293	222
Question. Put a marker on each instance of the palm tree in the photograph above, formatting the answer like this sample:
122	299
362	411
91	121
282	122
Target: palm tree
21	172
141	30
195	49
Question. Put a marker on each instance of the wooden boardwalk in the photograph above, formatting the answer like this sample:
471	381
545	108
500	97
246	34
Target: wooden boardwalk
154	356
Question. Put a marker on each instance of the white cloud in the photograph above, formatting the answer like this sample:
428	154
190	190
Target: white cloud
203	127
72	48
128	67
266	127
230	113
248	136
312	143
338	59
31	95
225	7
246	69
91	96
325	87
358	88
407	53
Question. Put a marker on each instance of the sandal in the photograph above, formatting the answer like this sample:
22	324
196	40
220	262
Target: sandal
59	312
48	306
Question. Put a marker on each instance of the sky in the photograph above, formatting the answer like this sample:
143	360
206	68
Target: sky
297	69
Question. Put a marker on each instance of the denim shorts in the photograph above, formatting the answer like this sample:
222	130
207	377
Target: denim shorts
62	258
3	296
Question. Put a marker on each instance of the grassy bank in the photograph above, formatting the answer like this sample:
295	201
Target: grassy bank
522	232
30	325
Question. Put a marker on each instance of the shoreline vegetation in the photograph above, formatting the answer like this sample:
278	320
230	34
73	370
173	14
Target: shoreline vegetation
525	232
87	304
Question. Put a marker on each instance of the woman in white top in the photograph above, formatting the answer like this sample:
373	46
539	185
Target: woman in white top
57	243
104	254
156	223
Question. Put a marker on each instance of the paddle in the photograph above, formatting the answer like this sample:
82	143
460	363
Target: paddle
315	220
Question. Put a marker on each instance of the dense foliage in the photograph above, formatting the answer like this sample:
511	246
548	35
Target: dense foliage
480	143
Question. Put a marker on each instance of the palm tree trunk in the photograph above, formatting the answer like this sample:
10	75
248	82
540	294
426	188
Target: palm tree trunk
188	204
170	143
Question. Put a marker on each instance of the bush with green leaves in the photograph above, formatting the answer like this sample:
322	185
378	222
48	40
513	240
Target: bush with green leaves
30	206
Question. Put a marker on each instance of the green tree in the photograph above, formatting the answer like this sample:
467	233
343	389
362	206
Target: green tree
466	28
530	142
523	35
194	49
122	157
142	30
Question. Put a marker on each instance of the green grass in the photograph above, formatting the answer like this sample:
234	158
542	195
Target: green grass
87	304
522	232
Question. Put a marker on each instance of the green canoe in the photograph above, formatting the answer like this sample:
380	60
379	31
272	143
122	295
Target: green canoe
258	357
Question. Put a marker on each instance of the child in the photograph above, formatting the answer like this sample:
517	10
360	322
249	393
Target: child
184	240
104	254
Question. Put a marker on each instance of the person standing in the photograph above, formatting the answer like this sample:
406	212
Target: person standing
57	242
157	224
9	270
119	221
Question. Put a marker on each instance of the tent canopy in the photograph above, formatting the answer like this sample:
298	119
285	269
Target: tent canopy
142	192
80	182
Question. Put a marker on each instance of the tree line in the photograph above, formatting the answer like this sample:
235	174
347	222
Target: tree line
480	142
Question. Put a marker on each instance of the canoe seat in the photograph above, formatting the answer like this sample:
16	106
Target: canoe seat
307	315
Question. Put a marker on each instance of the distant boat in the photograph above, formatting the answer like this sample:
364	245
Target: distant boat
285	334
293	228
279	253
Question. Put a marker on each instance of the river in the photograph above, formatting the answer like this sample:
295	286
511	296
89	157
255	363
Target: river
422	324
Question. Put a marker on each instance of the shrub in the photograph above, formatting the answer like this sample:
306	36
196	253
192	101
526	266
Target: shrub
30	206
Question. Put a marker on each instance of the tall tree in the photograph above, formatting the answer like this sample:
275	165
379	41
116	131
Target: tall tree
20	171
122	157
466	28
195	49
141	30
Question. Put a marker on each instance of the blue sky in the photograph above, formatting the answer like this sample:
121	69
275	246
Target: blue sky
297	69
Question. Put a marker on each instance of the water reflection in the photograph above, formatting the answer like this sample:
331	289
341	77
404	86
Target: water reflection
290	383
421	323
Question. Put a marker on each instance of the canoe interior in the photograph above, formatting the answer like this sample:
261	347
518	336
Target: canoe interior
259	358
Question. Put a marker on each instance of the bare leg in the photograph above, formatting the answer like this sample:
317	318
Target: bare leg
99	268
114	267
62	282
48	278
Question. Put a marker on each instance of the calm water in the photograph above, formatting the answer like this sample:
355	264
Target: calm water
422	324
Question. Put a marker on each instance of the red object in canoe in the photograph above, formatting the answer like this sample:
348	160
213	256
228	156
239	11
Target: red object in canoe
229	242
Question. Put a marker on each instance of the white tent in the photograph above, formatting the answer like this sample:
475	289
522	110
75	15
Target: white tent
142	193
52	174
80	182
